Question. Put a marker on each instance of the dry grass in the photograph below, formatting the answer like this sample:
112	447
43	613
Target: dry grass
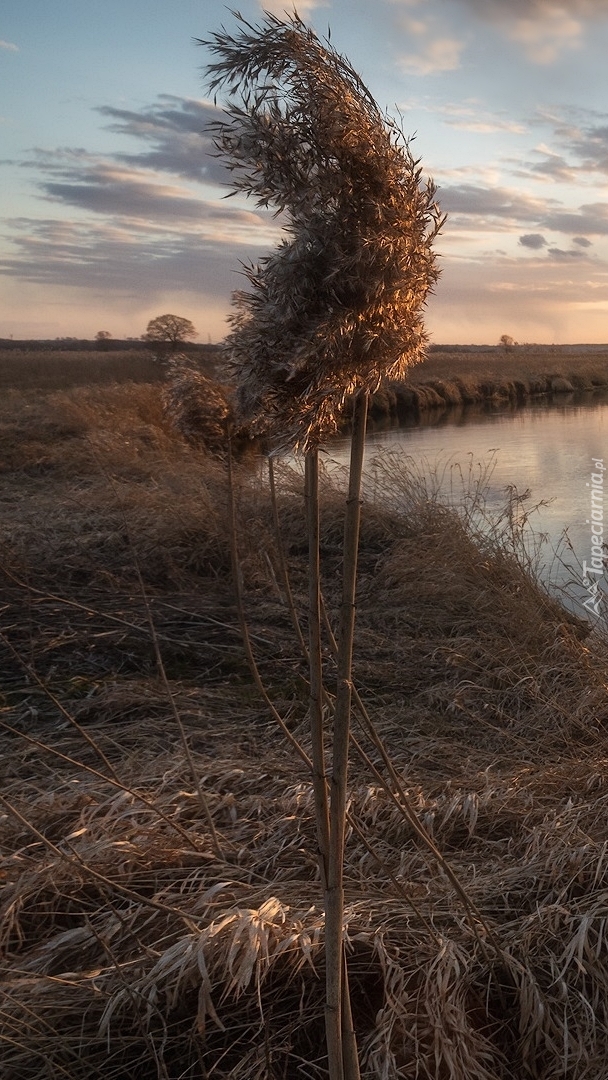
44	367
129	949
583	366
198	407
30	368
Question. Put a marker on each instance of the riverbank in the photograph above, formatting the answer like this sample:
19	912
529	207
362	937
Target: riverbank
470	375
130	945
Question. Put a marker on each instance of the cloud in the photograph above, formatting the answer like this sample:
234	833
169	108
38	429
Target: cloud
473	117
304	7
517	9
581	147
473	200
138	233
138	193
489	127
545	28
105	189
590	218
582	241
100	186
95	256
441	54
9	46
536	299
559	253
546	38
590	144
534	241
552	166
176	131
470	205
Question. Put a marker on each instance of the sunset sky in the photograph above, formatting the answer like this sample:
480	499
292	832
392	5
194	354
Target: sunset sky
113	211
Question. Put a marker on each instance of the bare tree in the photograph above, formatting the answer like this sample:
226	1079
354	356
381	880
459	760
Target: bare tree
102	337
166	332
331	312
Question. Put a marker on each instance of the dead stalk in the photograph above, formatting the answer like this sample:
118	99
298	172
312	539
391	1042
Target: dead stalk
334	910
316	696
113	885
204	805
281	561
238	592
33	675
109	780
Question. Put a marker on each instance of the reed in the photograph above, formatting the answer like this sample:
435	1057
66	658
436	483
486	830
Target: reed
334	310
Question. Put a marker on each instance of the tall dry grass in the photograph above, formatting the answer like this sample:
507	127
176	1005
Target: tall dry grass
129	948
583	366
32	368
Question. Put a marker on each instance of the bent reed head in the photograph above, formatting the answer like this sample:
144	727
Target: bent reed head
338	304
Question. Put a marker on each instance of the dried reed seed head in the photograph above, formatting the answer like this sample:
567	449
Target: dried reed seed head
338	305
198	407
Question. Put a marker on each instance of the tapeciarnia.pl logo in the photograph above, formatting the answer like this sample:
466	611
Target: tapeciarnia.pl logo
594	570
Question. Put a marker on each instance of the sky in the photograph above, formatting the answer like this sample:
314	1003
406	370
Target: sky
113	211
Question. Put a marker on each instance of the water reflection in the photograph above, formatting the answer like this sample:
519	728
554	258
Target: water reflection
546	446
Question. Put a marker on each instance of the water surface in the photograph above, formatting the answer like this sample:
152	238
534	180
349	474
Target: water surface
547	448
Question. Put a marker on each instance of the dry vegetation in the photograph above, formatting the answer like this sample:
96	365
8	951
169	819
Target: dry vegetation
130	948
467	375
57	370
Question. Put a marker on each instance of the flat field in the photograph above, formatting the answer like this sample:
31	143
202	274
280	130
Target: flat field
481	363
585	365
133	944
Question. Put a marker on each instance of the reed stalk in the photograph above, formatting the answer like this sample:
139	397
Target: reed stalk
336	986
315	663
333	310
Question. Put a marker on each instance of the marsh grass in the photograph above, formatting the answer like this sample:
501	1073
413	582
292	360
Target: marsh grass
128	948
40	369
583	366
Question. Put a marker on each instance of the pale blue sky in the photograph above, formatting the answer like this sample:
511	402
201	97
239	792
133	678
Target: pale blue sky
112	211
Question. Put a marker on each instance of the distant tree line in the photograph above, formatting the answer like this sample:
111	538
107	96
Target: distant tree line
88	344
170	330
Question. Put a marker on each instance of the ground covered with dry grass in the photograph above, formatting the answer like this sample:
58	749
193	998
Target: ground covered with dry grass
133	945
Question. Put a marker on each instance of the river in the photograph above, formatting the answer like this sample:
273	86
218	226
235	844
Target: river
554	448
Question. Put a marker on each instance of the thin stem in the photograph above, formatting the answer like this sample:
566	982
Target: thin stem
404	805
108	779
33	675
334	911
238	592
282	563
113	885
202	800
319	778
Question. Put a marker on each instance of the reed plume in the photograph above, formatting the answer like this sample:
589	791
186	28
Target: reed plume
338	304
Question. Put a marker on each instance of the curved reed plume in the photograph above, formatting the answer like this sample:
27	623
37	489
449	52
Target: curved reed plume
338	304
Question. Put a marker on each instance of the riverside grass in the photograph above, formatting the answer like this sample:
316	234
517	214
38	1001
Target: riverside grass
131	951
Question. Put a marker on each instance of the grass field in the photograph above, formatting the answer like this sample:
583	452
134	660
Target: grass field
585	366
45	369
131	947
478	363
